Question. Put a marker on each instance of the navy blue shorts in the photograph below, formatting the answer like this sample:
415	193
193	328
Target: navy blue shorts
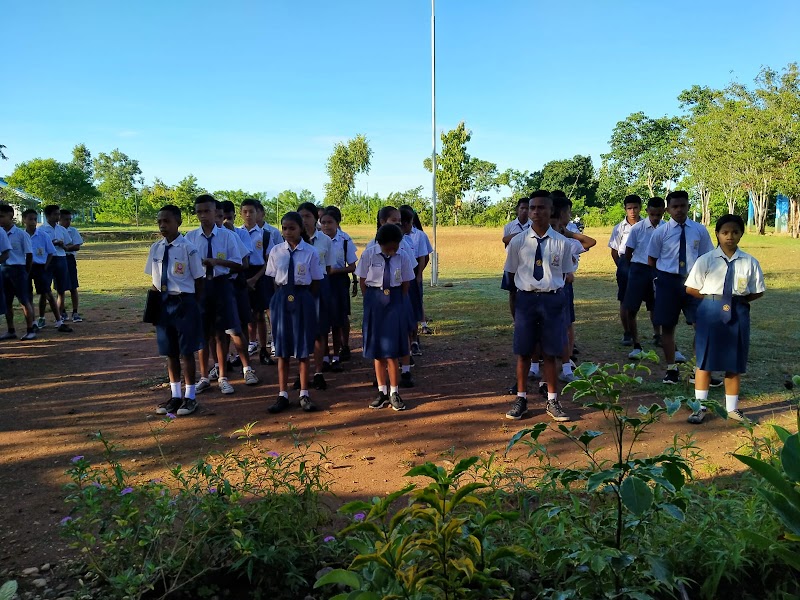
241	296
58	268
260	296
72	271
672	299
569	308
219	307
323	302
15	284
180	328
539	319
639	288
415	297
623	267
41	278
2	295
722	346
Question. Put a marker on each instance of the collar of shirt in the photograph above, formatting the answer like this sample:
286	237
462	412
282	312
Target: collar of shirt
648	224
549	233
718	252
675	225
214	231
255	228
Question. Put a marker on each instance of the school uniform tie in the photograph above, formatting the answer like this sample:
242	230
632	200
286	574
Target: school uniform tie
165	271
727	293
290	281
387	280
210	254
682	251
538	268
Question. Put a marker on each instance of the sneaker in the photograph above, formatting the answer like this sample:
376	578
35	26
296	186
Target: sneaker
566	377
657	340
679	357
235	362
381	401
252	348
697	417
64	328
415	349
8	336
76	318
336	366
518	409
671	377
202	385
326	366
213	374
635	354
553	408
296	384
281	404
737	415
250	377
345	353
188	407
534	376
397	402
28	336
405	380
66	317
225	387
265	358
306	404
40	322
627	340
427	330
512	391
319	382
169	406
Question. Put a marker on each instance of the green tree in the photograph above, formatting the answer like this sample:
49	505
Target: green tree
345	163
453	173
2	154
574	176
54	182
611	186
120	180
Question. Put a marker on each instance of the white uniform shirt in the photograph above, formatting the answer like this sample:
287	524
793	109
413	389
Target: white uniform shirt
224	246
557	254
516	227
619	235
256	238
341	258
184	263
372	264
322	244
665	245
245	247
56	232
274	236
708	274
639	240
406	247
571	226
421	242
74	238
20	245
577	250
307	265
42	246
5	244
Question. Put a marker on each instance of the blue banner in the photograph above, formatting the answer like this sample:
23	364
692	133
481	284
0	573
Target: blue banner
782	214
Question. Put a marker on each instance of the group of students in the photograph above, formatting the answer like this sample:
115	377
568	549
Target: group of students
38	259
220	284
673	267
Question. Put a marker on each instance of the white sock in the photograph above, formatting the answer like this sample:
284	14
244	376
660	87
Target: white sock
393	389
731	402
190	392
303	393
246	369
534	368
701	395
175	389
405	369
383	389
523	395
285	394
566	368
552	396
221	379
205	379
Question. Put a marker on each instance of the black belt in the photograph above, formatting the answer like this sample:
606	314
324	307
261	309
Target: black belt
539	292
180	294
676	275
720	297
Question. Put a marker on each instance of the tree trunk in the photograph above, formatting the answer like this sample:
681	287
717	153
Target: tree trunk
705	200
794	217
760	201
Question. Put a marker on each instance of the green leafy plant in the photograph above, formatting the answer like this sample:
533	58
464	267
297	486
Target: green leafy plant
442	545
8	590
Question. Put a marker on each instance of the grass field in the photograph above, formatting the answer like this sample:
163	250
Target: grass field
475	310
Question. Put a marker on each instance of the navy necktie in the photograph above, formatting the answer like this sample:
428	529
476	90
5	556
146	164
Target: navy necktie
209	268
682	251
387	279
538	268
165	270
290	273
727	292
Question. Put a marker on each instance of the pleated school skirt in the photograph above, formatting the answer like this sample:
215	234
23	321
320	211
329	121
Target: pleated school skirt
385	327
722	346
324	307
294	322
339	310
415	298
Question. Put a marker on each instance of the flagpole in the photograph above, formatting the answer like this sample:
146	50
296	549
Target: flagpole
435	266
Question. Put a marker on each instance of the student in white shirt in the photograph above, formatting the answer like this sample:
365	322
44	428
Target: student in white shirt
58	265
72	246
519	225
16	257
617	241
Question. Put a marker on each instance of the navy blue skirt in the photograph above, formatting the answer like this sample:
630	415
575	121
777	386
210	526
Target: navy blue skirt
722	346
385	327
415	298
339	300
324	307
294	323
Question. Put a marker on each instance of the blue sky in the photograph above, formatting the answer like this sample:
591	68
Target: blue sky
253	95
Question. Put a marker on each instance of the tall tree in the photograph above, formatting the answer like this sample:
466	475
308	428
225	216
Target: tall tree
453	174
574	176
120	180
345	163
82	159
54	182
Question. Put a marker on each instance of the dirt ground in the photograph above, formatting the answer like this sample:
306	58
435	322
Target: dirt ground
56	391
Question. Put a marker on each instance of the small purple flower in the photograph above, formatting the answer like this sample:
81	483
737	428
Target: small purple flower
77	458
212	490
171	416
65	520
358	517
157	480
127	490
328	539
96	484
273	454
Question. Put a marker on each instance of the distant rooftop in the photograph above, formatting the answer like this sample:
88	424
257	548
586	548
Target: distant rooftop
21	193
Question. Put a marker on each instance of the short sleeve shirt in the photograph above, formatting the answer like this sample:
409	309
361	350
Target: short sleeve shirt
224	246
557	260
322	244
639	240
19	245
372	265
184	265
665	245
74	239
516	227
421	242
56	232
709	271
341	258
256	239
307	264
619	235
41	246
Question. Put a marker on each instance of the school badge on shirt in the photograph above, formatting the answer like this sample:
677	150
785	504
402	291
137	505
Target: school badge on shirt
40	252
301	270
259	245
556	260
179	268
741	285
221	255
398	277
